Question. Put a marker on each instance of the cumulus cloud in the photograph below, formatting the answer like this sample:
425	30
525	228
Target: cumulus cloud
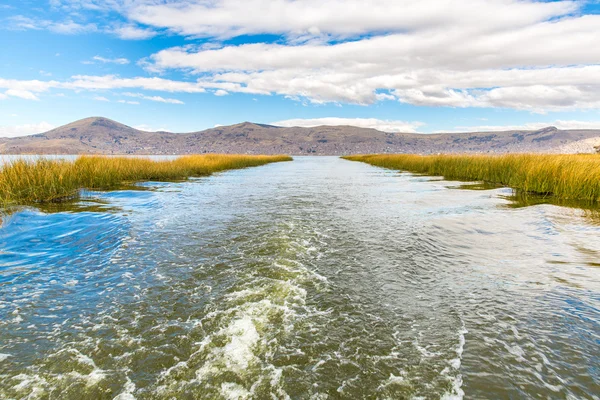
26	129
101	98
133	32
487	69
229	18
379	124
529	55
23	94
475	53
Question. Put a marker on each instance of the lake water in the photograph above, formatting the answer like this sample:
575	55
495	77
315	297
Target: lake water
314	279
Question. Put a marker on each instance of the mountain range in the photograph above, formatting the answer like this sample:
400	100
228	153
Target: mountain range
98	135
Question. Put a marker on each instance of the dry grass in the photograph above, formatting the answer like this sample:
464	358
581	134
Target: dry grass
43	180
572	177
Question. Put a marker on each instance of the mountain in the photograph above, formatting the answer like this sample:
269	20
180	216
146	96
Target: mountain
99	135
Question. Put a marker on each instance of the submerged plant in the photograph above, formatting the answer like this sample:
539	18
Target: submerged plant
43	180
572	177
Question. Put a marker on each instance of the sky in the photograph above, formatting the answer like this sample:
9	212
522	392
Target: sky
395	65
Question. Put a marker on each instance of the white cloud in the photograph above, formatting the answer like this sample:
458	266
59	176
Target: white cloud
101	98
128	102
66	27
154	98
27	88
431	53
221	92
121	61
560	124
535	65
379	124
70	27
21	22
229	18
132	32
81	82
529	55
163	100
148	128
23	94
26	129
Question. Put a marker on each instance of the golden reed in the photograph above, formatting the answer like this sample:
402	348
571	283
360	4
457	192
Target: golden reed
44	180
569	177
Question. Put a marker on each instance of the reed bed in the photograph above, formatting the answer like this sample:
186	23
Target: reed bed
569	177
44	180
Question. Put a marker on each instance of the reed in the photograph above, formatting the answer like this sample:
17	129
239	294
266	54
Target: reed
570	177
43	180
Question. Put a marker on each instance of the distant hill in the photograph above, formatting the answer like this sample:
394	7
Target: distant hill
99	135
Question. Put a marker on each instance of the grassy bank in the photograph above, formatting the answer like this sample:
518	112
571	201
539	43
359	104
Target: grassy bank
43	180
572	177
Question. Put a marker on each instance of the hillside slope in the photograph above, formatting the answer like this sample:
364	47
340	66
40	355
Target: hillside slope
99	135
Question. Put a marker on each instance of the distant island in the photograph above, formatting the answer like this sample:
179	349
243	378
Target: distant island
98	135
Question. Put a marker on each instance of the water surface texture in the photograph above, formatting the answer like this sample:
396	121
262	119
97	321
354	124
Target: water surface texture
314	279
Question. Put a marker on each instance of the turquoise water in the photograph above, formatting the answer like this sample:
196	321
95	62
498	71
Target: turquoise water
314	279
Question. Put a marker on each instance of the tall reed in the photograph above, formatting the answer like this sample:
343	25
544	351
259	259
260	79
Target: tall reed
43	180
572	177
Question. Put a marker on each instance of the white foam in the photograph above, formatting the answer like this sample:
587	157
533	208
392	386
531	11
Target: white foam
35	384
457	393
179	365
127	393
423	350
248	336
456	362
4	356
233	391
393	380
17	319
244	336
127	275
96	375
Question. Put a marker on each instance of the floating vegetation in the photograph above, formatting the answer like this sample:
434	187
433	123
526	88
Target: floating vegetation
568	177
44	180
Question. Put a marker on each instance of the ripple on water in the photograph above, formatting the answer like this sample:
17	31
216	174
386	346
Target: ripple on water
308	280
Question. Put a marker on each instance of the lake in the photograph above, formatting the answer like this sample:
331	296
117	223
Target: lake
319	278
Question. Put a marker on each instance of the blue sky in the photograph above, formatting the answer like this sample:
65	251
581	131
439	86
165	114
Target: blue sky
396	65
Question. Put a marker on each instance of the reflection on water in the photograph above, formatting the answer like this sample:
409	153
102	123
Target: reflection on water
320	278
478	186
521	198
